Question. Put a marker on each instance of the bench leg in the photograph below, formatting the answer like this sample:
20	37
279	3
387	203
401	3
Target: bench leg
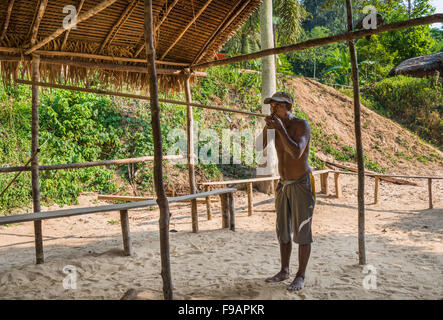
250	199
231	210
208	204
127	244
38	238
224	210
194	214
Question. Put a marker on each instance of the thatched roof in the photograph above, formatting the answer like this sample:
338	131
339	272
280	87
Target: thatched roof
187	32
423	66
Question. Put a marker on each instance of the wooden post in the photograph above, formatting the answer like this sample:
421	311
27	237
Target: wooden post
231	210
162	201
124	221
337	185
430	193
324	183
358	142
376	182
250	199
191	153
34	163
208	204
224	210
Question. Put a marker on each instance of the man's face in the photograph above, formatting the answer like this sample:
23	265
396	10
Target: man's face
280	109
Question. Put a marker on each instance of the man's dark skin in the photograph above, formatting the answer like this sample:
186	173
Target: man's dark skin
292	136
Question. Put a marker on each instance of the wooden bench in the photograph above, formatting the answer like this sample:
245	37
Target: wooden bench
226	195
249	182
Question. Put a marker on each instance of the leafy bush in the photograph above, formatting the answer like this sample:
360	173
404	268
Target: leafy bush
416	103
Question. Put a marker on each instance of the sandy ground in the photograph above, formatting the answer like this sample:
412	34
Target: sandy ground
403	242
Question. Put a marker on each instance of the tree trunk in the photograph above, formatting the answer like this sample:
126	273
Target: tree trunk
162	201
269	83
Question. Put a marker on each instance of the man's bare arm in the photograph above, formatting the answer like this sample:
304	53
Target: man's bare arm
263	137
296	144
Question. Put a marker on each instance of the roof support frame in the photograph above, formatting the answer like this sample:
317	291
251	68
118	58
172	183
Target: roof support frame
7	18
79	9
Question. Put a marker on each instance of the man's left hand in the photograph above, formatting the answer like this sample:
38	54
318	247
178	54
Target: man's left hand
274	122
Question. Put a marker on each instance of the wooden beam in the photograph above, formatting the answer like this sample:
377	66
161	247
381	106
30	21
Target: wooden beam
135	96
92	12
93	56
169	9
65	39
121	21
435	18
158	152
221	28
190	151
231	207
224	210
131	198
38	19
7	18
89	164
358	142
186	28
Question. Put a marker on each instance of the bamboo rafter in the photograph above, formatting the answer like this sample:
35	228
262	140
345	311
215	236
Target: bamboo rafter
7	18
121	21
163	19
65	39
221	28
186	28
98	8
38	19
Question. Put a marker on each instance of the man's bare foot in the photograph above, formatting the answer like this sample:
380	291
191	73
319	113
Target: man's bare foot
297	284
281	276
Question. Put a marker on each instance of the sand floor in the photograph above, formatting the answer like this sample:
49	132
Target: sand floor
403	243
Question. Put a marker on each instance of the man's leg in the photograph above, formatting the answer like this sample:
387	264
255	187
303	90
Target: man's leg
285	256
304	251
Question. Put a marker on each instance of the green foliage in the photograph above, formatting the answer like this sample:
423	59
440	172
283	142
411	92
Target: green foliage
420	111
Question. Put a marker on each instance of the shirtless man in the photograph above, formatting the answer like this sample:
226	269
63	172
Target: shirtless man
295	199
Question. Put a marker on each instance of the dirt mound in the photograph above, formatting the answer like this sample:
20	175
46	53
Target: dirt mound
394	148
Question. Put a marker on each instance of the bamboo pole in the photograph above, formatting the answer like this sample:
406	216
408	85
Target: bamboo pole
250	199
186	28
136	96
359	145
376	182
430	193
208	204
89	164
34	163
350	35
191	153
337	185
162	201
92	12
7	19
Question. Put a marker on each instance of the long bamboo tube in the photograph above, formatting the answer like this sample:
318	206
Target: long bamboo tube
162	201
358	142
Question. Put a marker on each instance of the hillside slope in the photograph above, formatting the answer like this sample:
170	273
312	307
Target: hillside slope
385	142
